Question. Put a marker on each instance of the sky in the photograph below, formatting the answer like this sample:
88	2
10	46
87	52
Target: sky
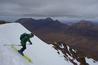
50	8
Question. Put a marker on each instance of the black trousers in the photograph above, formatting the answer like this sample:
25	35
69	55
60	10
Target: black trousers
23	48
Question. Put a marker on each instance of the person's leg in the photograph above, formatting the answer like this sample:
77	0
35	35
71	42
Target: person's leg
22	49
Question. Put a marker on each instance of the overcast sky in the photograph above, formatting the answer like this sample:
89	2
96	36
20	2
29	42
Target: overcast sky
55	8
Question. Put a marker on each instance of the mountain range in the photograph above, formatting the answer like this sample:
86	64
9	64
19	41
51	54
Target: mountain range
48	25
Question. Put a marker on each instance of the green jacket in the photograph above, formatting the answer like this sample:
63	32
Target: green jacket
25	38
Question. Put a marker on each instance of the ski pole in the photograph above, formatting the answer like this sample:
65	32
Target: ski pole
11	45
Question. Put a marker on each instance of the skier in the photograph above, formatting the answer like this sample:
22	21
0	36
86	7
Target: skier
24	38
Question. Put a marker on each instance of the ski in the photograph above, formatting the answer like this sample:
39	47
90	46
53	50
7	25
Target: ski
24	56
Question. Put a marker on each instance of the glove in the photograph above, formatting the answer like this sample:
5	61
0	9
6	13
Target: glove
30	43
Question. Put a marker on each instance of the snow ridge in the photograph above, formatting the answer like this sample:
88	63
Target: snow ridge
40	52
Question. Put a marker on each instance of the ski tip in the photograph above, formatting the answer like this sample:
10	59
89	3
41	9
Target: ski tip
27	58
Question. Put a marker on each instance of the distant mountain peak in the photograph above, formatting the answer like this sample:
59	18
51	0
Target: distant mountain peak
83	24
47	24
49	19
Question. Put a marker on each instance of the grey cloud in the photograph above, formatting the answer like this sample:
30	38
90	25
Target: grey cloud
56	8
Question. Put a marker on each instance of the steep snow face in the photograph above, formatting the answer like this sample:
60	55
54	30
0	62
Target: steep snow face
40	52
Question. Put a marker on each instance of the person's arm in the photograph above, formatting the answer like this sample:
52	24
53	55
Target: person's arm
30	41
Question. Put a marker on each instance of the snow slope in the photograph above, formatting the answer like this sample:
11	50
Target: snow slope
40	52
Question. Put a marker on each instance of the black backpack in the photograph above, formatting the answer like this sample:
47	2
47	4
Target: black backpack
22	36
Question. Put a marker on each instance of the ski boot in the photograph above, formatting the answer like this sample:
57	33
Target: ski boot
21	52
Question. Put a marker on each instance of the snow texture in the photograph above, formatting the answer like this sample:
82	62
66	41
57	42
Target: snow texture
40	52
